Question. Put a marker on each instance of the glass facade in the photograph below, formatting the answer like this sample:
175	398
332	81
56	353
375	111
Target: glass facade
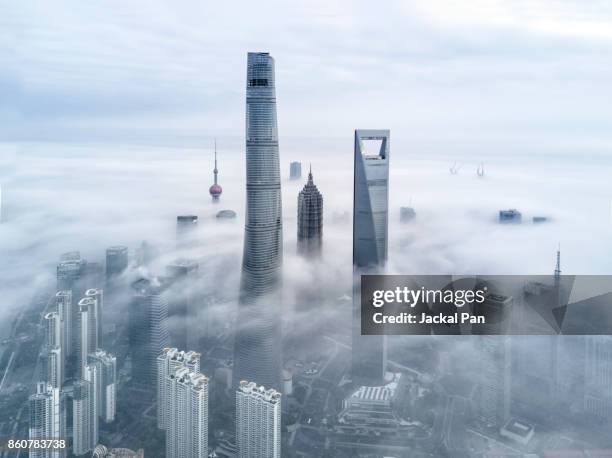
257	345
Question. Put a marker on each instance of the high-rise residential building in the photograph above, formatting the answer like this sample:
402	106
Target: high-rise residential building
215	190
370	240
85	412
98	295
295	170
186	227
106	386
63	300
116	261
76	275
148	325
187	427
258	421
310	219
88	331
168	362
70	272
51	368
598	376
53	353
47	419
257	352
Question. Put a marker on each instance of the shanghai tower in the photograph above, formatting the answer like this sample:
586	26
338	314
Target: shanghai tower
257	352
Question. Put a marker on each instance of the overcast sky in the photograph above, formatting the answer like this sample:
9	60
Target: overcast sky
477	74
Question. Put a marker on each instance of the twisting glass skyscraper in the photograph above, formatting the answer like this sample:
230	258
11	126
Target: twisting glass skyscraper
257	346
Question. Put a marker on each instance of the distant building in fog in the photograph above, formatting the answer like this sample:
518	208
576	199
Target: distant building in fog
186	227
510	216
407	214
116	261
295	170
148	330
258	421
187	310
310	219
145	254
226	214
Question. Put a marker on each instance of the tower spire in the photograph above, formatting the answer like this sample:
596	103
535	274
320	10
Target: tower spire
558	266
216	171
215	190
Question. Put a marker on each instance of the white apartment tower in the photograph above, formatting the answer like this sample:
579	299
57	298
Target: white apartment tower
106	387
85	412
64	308
187	422
47	419
258	421
168	362
88	330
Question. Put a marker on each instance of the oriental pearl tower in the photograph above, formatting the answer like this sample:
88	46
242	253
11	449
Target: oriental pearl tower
215	190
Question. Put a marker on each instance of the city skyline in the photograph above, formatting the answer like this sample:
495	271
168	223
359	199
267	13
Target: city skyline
161	326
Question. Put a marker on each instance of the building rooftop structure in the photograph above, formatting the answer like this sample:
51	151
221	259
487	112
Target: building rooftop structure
510	216
269	395
226	214
518	431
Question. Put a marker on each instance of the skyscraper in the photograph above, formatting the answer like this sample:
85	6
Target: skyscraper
106	387
88	330
47	419
98	295
51	366
258	421
148	324
64	308
295	170
215	190
187	427
257	354
53	354
116	261
310	219
370	234
85	412
168	362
